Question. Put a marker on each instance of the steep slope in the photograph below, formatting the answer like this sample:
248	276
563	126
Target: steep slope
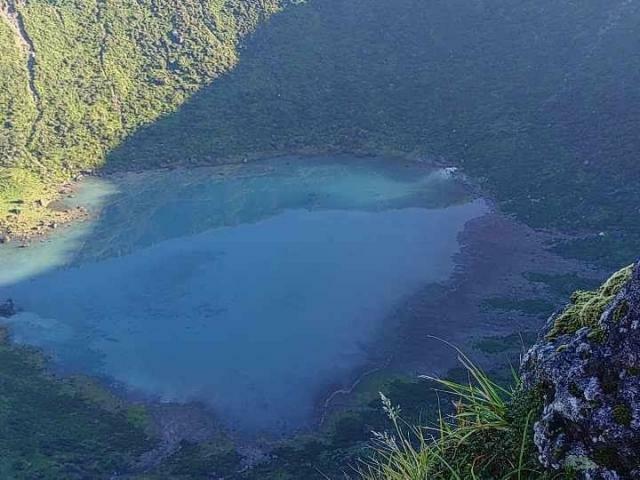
534	99
77	76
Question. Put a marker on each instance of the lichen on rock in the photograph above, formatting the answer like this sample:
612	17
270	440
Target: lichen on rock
587	307
590	385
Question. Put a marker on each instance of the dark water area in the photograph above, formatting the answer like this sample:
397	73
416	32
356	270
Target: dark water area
248	288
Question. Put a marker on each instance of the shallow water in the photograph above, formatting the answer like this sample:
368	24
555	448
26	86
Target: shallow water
249	288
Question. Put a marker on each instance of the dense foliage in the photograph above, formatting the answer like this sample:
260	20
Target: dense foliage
534	100
52	429
76	76
489	436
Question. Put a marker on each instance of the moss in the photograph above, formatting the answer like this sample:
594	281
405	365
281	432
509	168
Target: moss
597	335
622	415
587	307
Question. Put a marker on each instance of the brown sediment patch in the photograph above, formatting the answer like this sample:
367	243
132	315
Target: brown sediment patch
496	251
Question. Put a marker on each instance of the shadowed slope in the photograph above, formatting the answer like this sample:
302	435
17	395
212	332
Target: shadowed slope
537	99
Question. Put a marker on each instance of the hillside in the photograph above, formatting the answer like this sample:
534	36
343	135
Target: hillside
77	76
535	102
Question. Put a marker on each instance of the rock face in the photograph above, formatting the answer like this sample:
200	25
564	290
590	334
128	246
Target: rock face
590	384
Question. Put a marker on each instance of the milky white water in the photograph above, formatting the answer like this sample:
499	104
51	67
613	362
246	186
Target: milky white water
249	288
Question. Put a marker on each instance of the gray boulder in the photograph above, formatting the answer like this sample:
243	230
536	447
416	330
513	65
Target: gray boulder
586	367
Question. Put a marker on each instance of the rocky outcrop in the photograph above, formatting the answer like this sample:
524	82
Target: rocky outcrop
589	381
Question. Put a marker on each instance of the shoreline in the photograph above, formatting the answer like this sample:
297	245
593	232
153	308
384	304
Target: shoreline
495	253
12	230
487	238
55	214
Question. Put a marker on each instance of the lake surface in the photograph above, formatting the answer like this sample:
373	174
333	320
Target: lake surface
250	288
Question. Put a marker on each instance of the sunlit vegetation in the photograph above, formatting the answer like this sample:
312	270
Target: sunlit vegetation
100	70
535	102
534	105
489	435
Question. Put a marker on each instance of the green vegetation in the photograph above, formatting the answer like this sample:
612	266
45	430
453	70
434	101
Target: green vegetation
199	461
77	76
71	428
24	197
84	432
526	98
490	433
531	100
331	452
489	436
587	307
17	107
610	250
54	429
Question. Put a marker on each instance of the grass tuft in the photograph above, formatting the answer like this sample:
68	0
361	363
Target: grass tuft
489	435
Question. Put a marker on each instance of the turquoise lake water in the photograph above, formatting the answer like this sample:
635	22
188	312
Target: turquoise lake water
252	289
